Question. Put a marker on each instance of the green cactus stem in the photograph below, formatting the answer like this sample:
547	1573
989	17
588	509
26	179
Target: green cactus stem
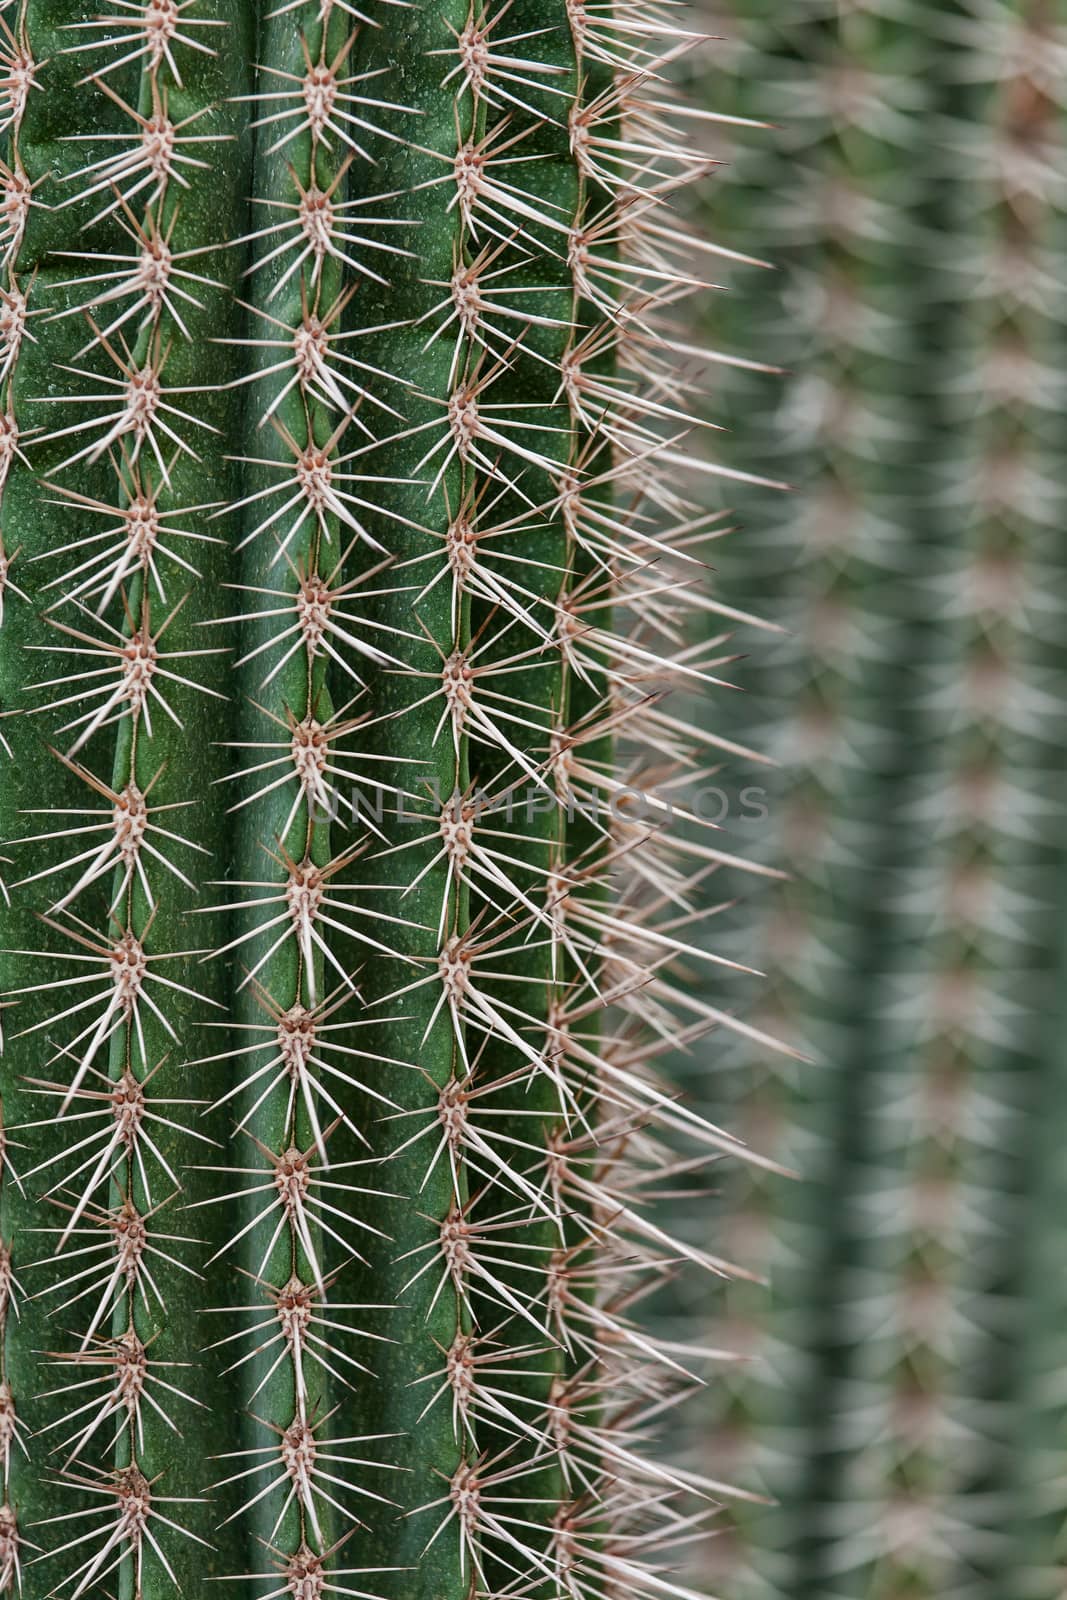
345	556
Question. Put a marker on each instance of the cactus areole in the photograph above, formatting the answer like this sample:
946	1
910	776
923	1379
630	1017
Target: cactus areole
343	568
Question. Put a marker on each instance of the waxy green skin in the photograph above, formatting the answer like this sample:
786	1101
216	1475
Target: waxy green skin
396	1030
273	693
325	1182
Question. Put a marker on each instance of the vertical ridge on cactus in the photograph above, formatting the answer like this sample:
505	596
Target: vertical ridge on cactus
962	1067
951	1083
129	278
830	196
345	565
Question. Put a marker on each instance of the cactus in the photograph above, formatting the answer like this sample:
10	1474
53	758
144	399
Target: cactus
964	1042
829	195
933	1301
896	1310
1031	1486
344	565
1030	1474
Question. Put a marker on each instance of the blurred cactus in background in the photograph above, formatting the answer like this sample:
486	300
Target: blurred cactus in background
956	1061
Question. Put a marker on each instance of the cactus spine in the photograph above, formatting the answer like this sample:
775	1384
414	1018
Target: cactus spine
342	549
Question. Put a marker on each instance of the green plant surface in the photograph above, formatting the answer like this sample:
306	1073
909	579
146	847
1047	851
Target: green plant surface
1030	1486
348	545
115	572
